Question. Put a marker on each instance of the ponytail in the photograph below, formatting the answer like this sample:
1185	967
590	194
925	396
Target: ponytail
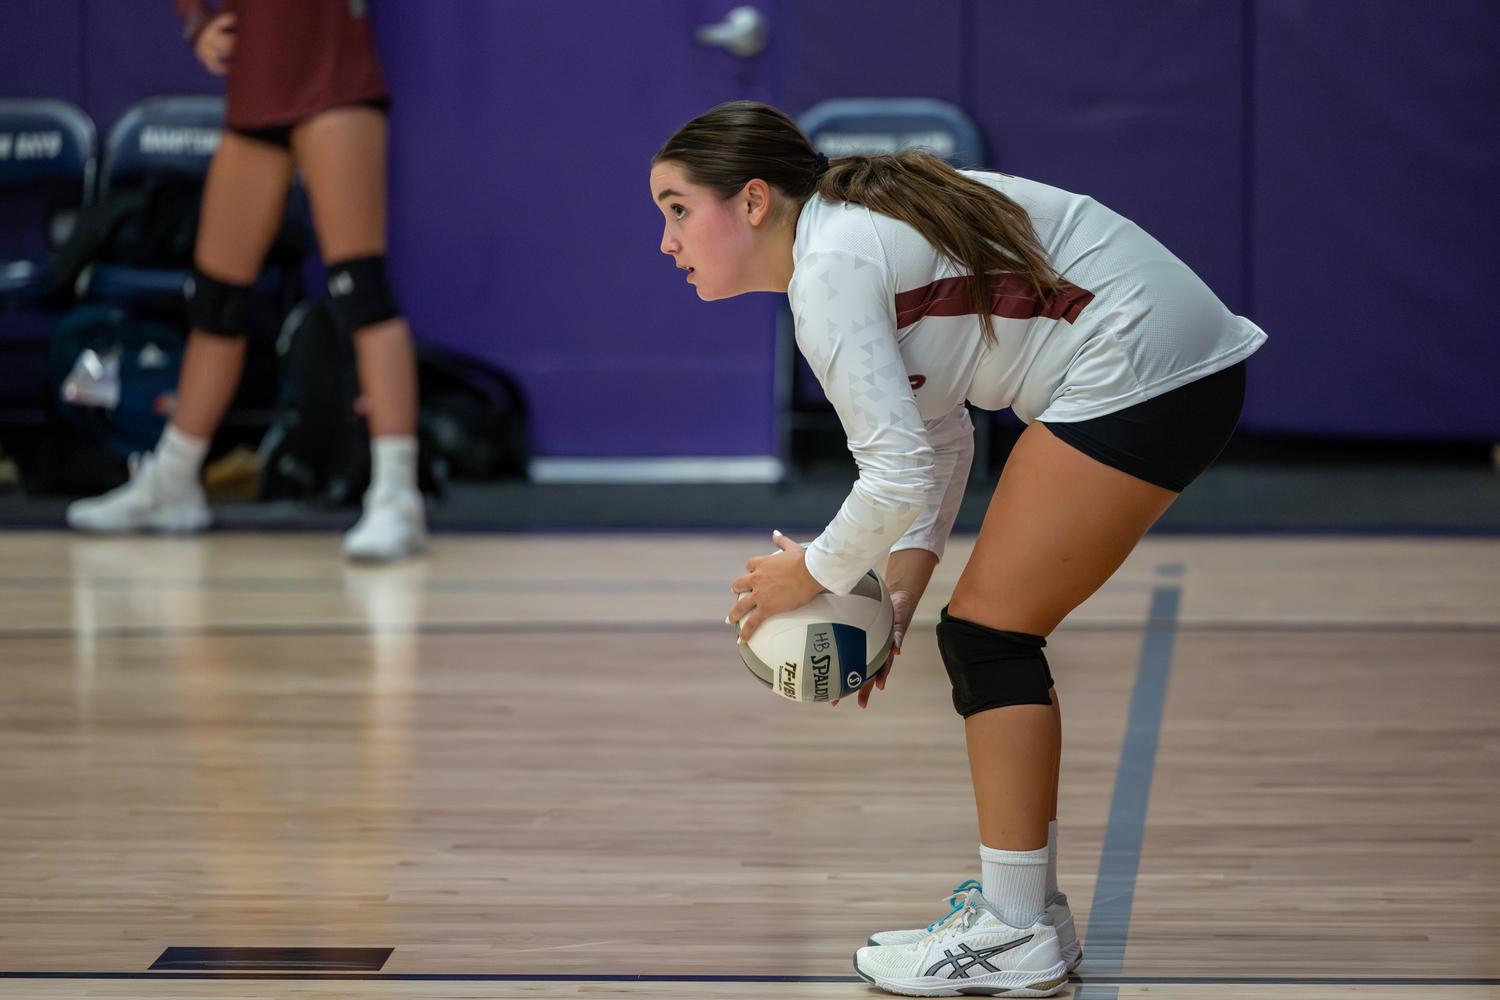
975	227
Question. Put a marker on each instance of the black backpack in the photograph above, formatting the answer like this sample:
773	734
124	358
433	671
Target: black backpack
472	420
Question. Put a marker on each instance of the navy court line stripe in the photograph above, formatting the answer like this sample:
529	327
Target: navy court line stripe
273	629
1114	892
1086	981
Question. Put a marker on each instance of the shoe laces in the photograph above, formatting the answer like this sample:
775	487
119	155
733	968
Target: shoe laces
960	920
957	899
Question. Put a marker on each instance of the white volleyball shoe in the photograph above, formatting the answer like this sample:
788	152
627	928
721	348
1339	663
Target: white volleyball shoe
146	503
955	901
971	953
393	526
1057	909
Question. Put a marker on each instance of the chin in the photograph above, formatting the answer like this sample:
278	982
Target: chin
714	294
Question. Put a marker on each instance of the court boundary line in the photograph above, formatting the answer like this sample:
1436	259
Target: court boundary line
1088	980
1124	833
595	625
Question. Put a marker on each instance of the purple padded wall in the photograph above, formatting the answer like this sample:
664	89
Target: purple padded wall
868	48
523	227
1377	218
39	48
1136	103
102	55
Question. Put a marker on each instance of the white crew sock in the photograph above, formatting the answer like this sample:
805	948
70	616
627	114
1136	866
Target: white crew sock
1013	883
393	463
178	458
1051	885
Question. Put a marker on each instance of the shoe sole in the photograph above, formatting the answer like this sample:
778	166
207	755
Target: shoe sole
381	557
1072	963
163	526
994	984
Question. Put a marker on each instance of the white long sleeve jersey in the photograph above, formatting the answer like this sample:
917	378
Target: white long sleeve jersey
884	322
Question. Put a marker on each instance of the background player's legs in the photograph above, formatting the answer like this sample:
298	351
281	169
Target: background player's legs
244	198
342	156
1059	525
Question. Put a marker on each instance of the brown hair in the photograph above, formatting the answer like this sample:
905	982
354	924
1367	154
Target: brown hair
974	226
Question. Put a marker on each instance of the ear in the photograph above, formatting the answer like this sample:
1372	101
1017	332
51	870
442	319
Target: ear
756	197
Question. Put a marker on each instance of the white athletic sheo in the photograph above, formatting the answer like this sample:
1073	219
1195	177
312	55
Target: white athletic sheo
146	503
393	526
973	953
1057	909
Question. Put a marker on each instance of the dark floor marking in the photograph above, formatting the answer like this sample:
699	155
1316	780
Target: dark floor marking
273	959
1114	892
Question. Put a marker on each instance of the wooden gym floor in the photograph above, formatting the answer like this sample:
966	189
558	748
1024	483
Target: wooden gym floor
534	767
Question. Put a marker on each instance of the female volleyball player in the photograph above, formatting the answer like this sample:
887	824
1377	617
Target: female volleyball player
305	93
916	286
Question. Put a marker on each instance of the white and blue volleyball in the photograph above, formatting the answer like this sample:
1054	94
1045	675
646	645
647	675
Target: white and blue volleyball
828	648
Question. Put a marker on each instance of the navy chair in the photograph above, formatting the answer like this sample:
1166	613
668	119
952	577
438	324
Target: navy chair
47	160
163	134
160	135
869	126
47	163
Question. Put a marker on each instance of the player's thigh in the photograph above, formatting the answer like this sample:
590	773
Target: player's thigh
244	199
1060	523
342	156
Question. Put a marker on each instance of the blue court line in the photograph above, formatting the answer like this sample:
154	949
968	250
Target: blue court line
1114	892
1094	983
294	629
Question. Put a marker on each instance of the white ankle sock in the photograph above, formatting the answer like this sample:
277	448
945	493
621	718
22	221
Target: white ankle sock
178	458
393	463
1013	882
1051	885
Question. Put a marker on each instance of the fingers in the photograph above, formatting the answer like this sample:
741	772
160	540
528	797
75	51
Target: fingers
864	694
750	622
742	607
784	543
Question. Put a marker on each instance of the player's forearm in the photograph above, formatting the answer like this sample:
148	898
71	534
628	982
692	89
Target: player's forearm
910	570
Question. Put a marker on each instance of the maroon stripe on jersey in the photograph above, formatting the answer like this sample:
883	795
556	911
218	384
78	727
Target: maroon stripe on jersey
1011	296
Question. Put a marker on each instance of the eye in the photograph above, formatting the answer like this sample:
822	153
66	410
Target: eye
677	211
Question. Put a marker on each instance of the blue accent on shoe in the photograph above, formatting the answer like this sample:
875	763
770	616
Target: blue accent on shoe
953	900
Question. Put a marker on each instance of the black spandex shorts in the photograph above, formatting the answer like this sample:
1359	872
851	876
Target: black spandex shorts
281	135
1169	440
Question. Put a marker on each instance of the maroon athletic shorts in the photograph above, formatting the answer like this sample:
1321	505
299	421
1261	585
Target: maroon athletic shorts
296	58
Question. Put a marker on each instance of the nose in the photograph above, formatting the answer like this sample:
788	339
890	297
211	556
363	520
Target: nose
669	243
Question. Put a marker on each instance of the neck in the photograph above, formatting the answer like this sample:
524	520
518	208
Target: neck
776	253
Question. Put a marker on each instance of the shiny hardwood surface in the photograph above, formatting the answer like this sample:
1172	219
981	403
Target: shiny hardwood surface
540	754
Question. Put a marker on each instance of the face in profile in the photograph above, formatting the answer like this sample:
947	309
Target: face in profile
709	238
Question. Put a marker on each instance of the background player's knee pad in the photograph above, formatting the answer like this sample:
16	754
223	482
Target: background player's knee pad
215	306
360	293
990	668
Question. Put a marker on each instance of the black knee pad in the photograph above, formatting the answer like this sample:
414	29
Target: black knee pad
360	293
990	668
215	306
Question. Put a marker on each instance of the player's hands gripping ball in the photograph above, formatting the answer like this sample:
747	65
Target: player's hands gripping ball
806	643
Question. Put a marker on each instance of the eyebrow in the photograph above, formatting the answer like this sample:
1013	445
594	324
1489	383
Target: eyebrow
669	193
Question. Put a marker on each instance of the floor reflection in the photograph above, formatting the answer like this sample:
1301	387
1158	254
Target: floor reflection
280	747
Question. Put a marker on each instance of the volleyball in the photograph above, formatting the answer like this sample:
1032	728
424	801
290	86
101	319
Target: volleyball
828	648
